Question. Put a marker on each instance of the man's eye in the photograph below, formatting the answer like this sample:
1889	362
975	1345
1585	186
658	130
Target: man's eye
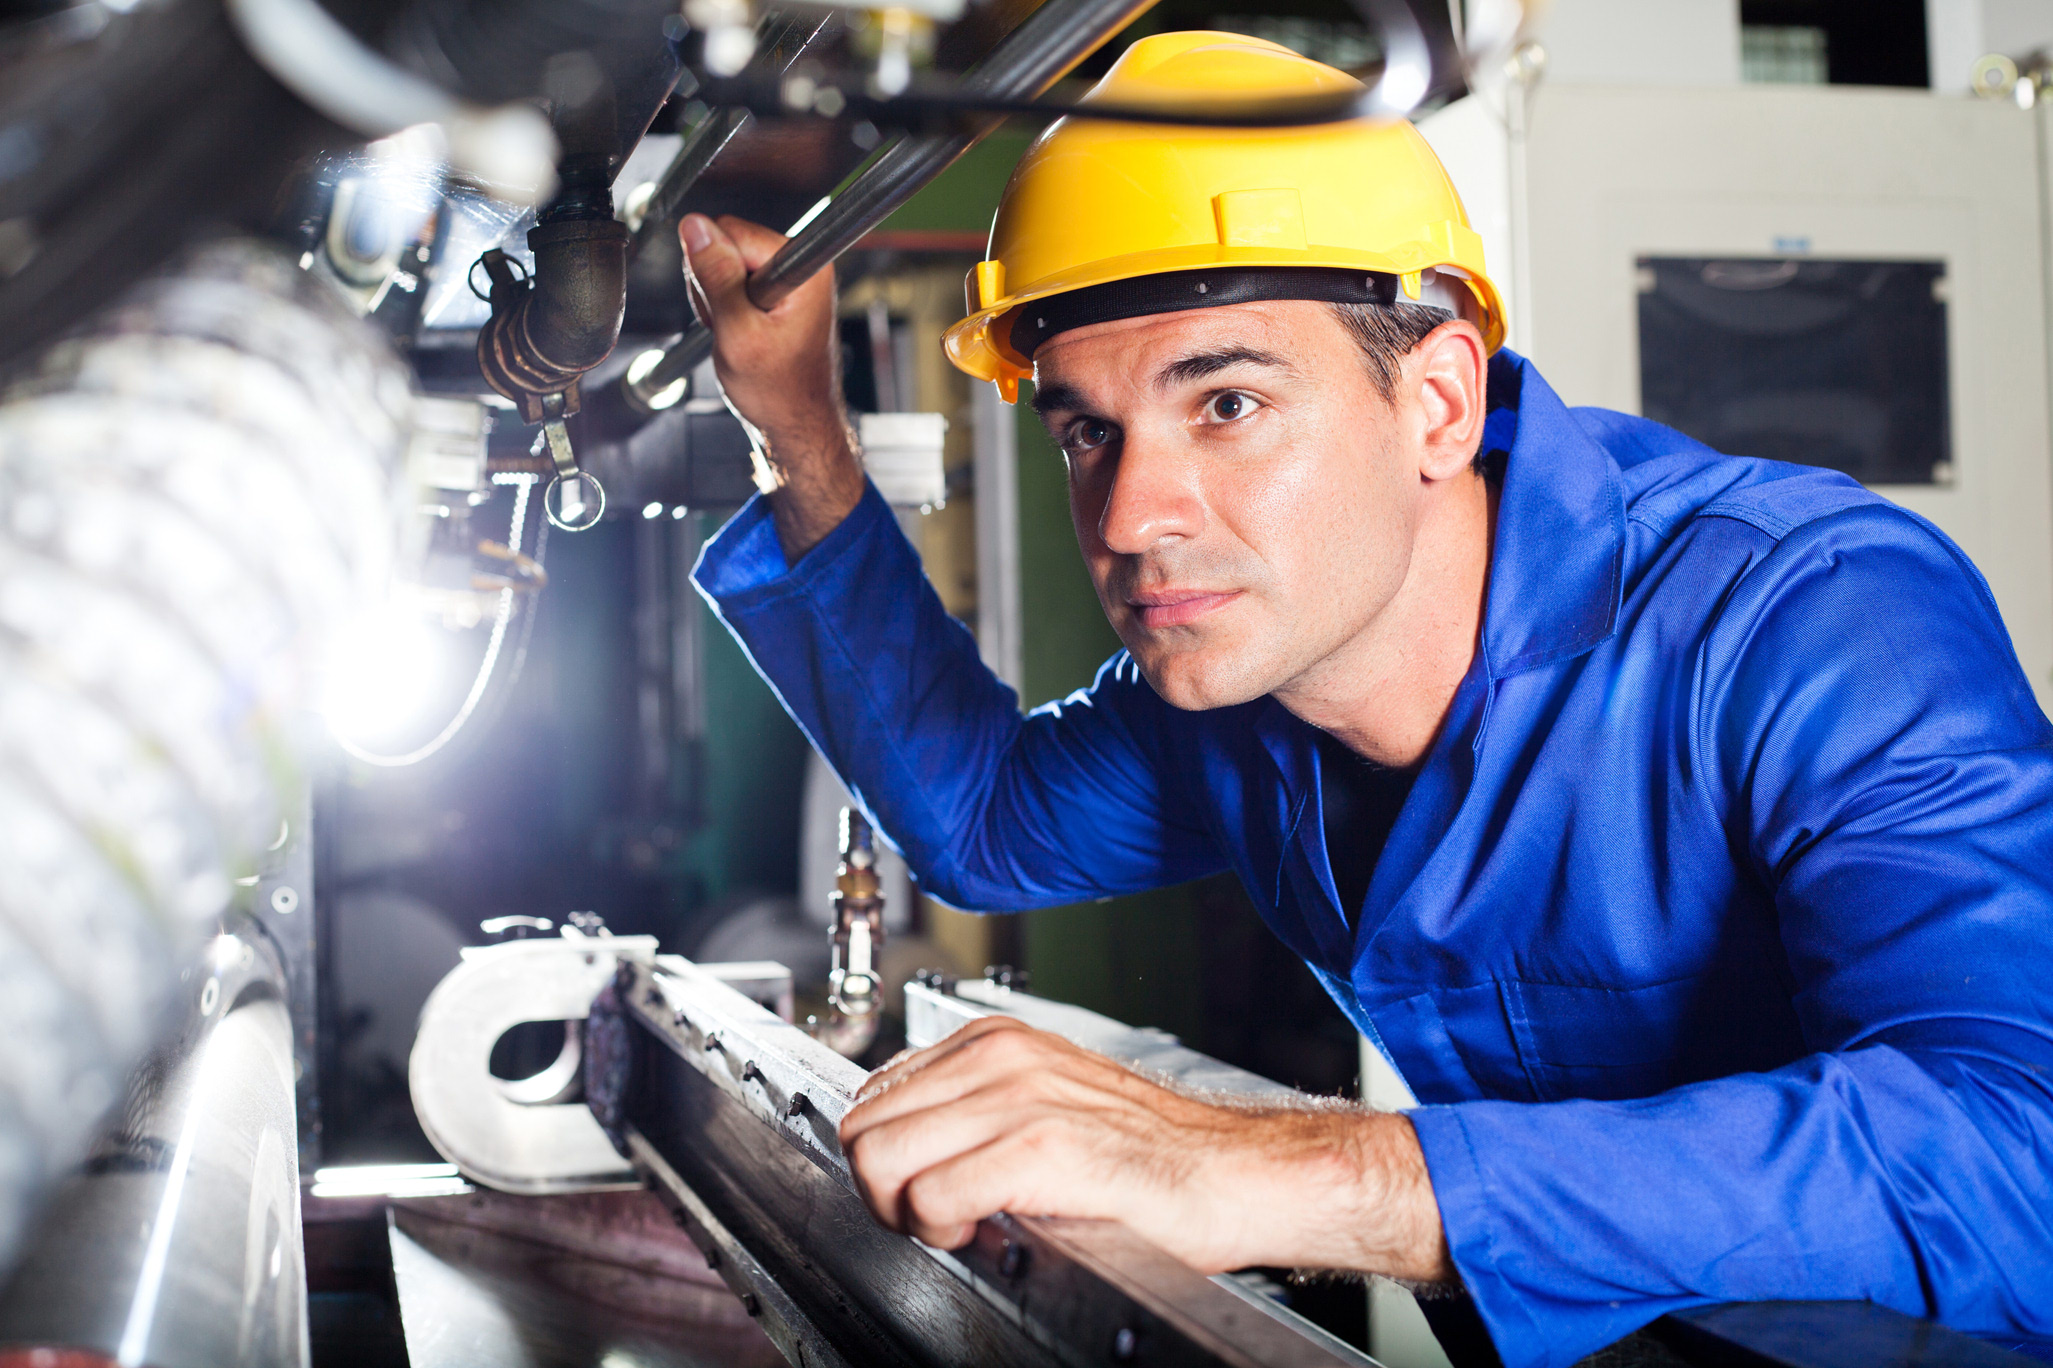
1087	434
1224	408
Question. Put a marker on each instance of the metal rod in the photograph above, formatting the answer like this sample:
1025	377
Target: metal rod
718	129
705	142
1047	44
732	1114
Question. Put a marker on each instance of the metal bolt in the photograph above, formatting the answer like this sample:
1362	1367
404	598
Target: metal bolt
713	1040
678	1017
750	1304
750	1071
1126	1345
798	1103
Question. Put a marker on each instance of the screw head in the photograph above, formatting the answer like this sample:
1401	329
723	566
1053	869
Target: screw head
1126	1345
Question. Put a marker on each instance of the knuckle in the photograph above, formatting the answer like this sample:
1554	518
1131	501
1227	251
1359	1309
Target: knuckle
930	1203
867	1155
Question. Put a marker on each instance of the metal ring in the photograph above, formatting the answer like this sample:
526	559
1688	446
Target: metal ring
597	504
470	277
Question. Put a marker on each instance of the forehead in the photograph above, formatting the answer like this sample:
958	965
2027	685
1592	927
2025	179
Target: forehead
1296	330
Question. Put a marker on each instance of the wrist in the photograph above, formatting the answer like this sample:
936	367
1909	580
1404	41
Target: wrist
1337	1190
815	480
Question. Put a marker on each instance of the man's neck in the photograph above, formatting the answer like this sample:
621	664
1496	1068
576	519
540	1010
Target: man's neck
1385	693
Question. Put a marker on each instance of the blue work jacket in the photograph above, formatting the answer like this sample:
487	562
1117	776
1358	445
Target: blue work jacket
1715	936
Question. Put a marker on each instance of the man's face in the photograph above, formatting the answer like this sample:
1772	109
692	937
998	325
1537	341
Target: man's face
1244	498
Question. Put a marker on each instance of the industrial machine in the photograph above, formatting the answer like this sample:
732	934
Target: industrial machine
1842	277
321	320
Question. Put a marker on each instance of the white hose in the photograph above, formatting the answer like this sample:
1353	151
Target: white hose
501	617
193	494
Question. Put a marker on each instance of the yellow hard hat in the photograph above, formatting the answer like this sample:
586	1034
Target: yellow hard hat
1200	216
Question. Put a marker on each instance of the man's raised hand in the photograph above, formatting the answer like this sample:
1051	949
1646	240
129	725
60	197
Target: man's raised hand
780	369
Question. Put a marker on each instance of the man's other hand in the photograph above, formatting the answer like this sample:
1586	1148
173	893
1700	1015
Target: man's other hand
1001	1117
780	369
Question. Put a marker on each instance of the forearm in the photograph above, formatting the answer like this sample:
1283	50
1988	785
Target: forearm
816	474
993	812
1338	1190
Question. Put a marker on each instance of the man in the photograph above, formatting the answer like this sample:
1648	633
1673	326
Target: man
1678	825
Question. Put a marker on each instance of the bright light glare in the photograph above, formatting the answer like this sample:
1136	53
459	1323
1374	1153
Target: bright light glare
654	510
384	675
389	1180
1403	86
805	220
638	371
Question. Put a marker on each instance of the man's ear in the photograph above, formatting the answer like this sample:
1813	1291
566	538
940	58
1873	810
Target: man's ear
1448	372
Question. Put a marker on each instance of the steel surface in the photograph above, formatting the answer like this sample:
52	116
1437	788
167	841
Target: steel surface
732	1114
178	1245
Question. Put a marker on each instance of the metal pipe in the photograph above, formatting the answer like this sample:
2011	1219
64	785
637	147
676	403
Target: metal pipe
718	129
547	330
1047	44
706	141
179	1243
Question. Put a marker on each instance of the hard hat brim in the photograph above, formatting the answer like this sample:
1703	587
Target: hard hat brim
980	344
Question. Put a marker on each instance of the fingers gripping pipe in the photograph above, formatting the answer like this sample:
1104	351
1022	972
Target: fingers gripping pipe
193	493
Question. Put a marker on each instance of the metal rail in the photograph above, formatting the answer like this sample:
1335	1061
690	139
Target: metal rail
785	43
1047	44
731	1114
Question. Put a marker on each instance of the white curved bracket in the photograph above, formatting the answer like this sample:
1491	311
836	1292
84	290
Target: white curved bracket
474	1119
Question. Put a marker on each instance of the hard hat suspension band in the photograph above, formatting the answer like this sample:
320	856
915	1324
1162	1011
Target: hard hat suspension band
1174	291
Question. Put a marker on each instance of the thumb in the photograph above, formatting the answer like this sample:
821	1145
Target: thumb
712	262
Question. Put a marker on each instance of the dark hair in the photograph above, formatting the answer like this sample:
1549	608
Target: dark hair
1386	334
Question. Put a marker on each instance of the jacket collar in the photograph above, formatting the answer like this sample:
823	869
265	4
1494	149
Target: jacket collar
1557	568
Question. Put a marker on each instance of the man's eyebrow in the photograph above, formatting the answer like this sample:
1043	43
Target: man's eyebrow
1198	365
1049	398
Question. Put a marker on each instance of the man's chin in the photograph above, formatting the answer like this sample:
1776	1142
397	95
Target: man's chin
1199	680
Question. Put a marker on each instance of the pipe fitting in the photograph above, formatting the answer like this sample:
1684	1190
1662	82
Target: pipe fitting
548	330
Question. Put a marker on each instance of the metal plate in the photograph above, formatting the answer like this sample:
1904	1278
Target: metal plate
480	1295
732	1114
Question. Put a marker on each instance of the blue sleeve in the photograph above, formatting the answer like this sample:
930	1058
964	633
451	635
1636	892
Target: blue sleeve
1871	746
992	811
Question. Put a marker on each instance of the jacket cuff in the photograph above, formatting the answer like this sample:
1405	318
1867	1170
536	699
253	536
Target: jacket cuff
1464	1200
743	563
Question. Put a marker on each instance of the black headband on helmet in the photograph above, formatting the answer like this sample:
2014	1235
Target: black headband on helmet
1174	291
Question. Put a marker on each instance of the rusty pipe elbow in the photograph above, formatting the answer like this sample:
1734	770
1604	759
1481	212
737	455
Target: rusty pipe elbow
566	319
580	296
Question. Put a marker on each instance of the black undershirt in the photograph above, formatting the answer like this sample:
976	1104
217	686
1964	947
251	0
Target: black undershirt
1359	801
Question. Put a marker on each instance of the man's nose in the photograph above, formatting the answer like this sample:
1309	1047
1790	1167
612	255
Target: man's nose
1154	495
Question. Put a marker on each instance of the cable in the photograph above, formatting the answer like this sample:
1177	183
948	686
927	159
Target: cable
525	485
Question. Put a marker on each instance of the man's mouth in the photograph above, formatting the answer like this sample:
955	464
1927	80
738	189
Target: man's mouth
1174	607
